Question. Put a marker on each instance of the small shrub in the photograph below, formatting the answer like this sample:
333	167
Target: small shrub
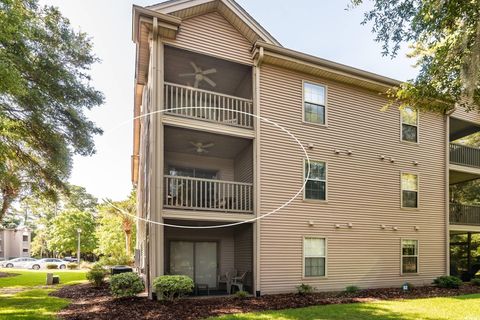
448	282
170	287
72	266
51	266
116	261
475	281
126	284
96	275
241	294
352	289
304	289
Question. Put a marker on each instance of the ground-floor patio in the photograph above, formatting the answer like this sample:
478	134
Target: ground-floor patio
464	254
219	260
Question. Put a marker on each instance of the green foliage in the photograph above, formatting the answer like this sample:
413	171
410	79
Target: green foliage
51	266
126	284
44	93
241	294
72	266
96	275
63	233
116	230
475	281
45	211
445	41
448	282
115	261
170	287
305	289
352	289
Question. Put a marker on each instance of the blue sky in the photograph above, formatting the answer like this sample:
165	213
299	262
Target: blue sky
318	27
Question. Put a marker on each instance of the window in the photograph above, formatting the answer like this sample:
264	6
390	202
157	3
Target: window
409	124
25	250
316	187
409	190
409	256
314	103
25	238
314	253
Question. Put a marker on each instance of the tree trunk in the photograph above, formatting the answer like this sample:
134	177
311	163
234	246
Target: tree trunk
7	200
128	240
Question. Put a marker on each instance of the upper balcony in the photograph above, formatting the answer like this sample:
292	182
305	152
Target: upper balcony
463	214
206	105
209	89
207	175
464	155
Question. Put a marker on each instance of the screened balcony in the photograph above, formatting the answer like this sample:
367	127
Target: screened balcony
202	87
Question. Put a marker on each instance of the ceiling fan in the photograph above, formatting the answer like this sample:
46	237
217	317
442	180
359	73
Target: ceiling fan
200	147
200	75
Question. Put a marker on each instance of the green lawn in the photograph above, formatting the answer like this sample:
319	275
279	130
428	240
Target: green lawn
452	308
20	298
29	278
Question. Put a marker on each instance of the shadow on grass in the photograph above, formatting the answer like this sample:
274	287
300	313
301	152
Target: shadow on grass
30	304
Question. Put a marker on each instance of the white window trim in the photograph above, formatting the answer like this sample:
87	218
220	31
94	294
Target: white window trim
325	106
418	129
303	257
326	181
401	257
418	190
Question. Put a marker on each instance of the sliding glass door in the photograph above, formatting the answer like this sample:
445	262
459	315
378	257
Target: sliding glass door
196	259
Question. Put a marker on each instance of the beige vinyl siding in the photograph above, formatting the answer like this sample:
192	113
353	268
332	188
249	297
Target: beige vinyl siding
244	165
362	189
224	237
224	167
213	35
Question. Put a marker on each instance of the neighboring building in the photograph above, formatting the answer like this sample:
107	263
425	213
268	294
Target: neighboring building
14	243
375	209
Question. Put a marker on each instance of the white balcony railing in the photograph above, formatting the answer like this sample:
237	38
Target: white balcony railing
206	105
208	194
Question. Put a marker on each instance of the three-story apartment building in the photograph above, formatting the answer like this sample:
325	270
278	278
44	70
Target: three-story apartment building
217	100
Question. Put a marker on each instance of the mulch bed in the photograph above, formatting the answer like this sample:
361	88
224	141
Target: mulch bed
97	303
7	274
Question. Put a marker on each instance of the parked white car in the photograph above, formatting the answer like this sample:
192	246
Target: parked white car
17	262
42	263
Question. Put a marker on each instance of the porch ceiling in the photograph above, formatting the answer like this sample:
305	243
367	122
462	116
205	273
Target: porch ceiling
230	78
459	176
460	128
178	140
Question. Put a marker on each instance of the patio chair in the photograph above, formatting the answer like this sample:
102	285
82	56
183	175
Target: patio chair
227	279
239	281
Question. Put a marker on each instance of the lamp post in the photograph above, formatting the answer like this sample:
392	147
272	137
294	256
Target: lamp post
78	247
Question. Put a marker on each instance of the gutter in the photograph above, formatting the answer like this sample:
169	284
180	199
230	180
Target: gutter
331	66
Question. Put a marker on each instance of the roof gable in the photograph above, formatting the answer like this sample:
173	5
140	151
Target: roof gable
229	9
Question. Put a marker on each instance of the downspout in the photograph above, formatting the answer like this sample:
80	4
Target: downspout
447	191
